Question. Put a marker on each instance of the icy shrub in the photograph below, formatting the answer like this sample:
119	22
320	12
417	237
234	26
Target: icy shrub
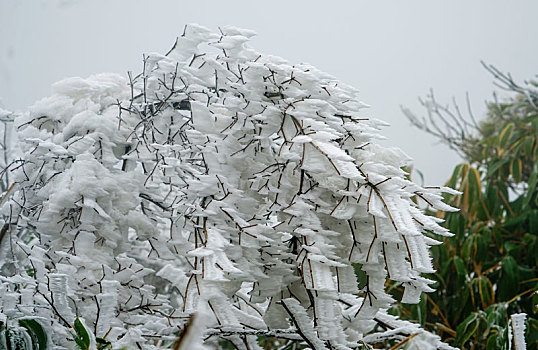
218	182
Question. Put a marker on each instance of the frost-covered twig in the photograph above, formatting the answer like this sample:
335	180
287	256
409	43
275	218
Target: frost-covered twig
218	181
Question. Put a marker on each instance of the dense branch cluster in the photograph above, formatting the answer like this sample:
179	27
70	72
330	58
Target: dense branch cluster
218	181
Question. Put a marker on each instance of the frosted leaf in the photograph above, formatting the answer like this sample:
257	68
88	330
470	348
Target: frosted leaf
231	30
422	341
9	303
331	151
303	323
317	275
96	87
375	205
275	315
348	170
414	289
172	274
419	252
396	262
108	303
327	314
301	139
346	280
130	338
59	290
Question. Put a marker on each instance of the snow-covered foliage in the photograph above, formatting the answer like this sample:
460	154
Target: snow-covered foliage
8	150
220	182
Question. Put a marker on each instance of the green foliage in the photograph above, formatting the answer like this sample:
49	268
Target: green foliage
103	344
82	336
36	332
28	335
488	270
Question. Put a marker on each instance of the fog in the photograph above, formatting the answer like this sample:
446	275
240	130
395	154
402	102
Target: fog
392	51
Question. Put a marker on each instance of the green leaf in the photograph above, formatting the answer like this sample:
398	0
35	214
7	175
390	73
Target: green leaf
474	181
455	222
531	241
532	331
510	246
419	311
492	342
103	344
493	167
508	283
531	184
361	275
528	143
505	135
496	317
533	221
460	266
453	181
515	169
482	240
467	249
516	221
82	337
464	301
36	332
467	328
485	290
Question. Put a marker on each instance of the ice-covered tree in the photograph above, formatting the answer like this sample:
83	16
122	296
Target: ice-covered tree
220	183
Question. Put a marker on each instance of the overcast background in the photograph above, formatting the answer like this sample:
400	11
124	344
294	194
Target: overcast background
392	51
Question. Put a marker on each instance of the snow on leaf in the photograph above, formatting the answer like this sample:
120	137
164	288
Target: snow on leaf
216	173
302	321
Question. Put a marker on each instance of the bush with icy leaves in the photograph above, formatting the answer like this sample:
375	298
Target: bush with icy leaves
220	181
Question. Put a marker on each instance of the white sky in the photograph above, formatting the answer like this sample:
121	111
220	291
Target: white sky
392	51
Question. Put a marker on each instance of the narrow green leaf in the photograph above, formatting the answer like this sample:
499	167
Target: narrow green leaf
515	169
508	283
531	184
505	134
83	338
36	332
516	221
460	266
528	143
421	309
467	250
467	328
494	167
474	178
453	181
361	275
485	290
483	238
103	344
492	342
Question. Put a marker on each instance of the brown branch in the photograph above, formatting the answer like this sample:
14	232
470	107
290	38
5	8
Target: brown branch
297	325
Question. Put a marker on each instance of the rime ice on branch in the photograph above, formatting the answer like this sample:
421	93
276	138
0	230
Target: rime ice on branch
220	180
